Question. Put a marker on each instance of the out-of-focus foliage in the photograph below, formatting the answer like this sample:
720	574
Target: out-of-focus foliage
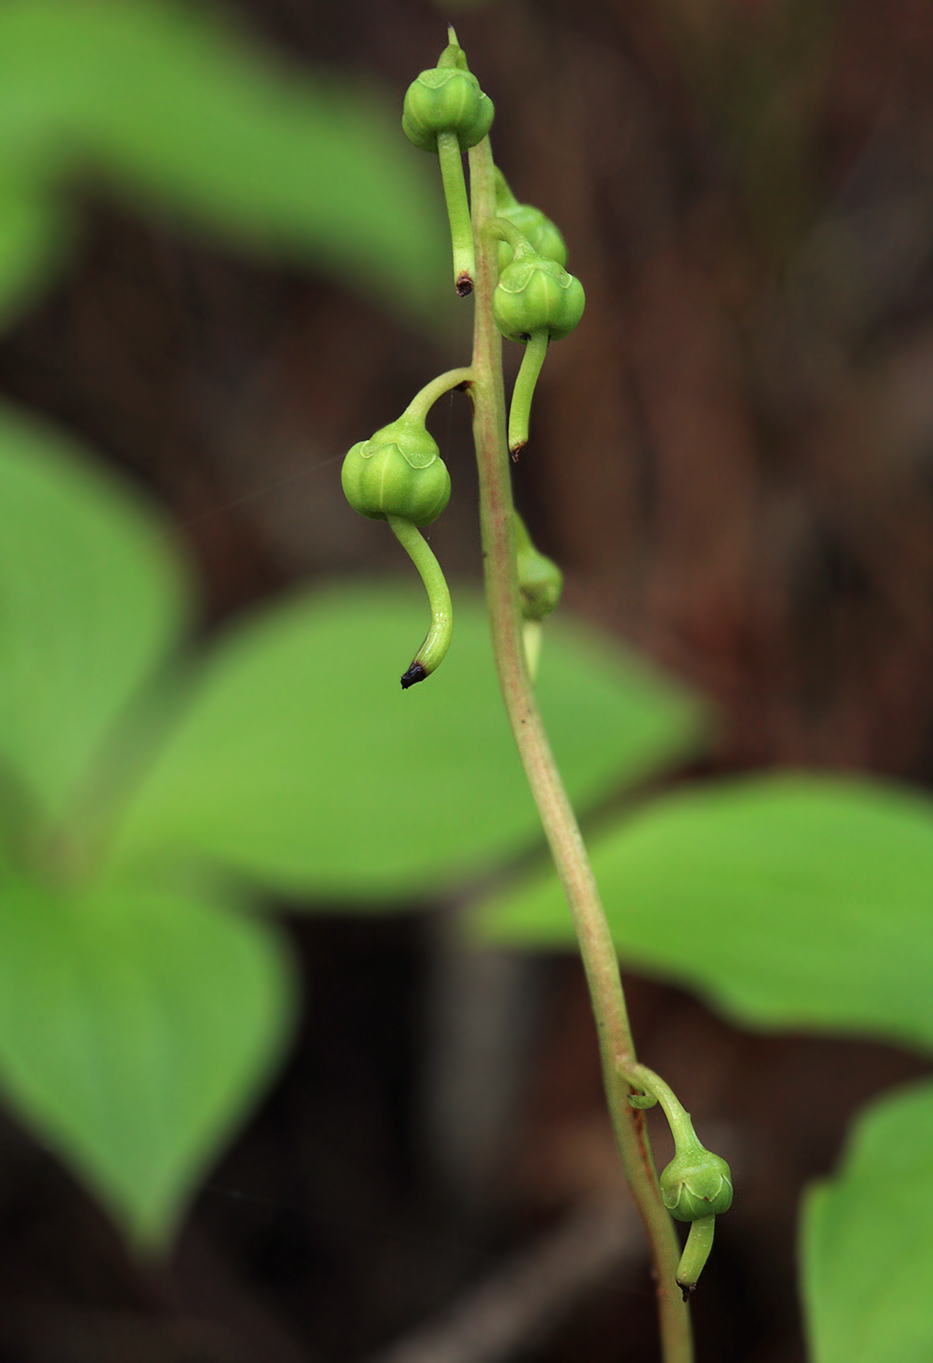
300	762
91	597
117	1038
866	1243
140	1010
170	111
136	1026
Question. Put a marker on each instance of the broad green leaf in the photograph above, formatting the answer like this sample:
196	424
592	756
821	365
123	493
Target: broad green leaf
302	763
867	1251
91	599
174	110
789	901
135	1029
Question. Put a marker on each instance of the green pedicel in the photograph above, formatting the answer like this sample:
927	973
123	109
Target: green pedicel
696	1252
437	640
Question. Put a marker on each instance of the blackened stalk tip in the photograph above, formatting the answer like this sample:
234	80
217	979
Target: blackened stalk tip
415	673
515	451
464	285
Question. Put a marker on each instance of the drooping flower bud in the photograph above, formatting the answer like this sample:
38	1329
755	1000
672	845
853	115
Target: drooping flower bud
445	99
540	581
536	301
397	472
446	112
537	295
696	1183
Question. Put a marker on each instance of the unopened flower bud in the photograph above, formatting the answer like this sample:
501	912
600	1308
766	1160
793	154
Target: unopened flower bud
696	1183
445	99
397	472
537	295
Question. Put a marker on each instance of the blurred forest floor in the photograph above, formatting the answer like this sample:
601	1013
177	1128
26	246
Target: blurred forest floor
732	459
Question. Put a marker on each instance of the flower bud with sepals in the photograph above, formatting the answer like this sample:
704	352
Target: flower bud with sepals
397	472
536	301
696	1183
447	99
398	476
446	112
696	1186
540	581
535	294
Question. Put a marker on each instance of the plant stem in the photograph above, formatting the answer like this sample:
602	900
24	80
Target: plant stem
423	401
678	1119
570	858
437	640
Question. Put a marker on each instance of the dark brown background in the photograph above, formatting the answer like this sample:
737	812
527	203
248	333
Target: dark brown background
733	461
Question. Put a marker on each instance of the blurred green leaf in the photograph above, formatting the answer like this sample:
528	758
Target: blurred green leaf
789	901
179	112
867	1251
91	599
303	764
34	232
134	1030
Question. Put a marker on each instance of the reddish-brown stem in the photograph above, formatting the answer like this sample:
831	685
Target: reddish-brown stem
560	825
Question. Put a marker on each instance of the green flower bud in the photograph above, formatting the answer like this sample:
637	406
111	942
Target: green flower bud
446	99
696	1183
540	581
397	472
543	235
536	295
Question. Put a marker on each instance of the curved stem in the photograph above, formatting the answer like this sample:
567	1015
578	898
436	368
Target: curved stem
557	817
458	210
504	230
523	392
678	1119
437	640
422	402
